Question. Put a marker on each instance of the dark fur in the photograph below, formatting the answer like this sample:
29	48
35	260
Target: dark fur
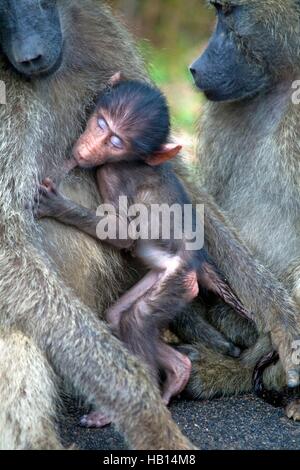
147	121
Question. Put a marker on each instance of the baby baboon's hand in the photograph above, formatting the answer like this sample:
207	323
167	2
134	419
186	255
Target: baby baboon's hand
47	203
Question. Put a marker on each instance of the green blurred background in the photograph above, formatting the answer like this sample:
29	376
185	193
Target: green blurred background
171	34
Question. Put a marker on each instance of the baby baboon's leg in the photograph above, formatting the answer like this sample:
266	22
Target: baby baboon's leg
140	326
96	419
28	398
127	300
176	366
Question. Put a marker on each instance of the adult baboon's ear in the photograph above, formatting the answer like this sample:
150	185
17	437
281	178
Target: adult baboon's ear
167	152
116	78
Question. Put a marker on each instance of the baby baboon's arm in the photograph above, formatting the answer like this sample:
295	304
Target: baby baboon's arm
51	203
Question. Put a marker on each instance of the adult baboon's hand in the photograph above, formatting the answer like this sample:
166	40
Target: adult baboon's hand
288	346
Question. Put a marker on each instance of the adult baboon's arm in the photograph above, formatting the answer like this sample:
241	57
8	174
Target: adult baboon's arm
259	290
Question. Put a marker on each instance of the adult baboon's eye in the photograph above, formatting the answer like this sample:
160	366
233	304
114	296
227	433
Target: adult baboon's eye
217	5
225	8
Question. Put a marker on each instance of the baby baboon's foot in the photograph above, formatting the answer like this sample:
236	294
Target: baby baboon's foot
94	420
293	410
47	202
177	377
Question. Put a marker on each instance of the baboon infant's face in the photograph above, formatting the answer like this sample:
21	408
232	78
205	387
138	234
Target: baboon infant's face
102	142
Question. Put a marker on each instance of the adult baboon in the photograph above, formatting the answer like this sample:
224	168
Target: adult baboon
249	161
55	57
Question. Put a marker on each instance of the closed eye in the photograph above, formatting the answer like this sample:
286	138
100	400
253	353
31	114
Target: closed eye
102	124
117	142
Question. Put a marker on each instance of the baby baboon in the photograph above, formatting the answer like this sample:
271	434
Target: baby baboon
126	139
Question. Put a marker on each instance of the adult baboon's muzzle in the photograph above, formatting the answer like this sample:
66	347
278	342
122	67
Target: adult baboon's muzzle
30	35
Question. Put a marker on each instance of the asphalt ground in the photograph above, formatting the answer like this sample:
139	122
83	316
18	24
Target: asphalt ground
236	423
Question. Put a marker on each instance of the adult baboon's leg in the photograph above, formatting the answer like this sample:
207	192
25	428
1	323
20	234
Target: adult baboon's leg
83	351
274	310
291	278
27	393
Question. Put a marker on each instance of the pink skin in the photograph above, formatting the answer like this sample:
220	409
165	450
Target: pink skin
95	146
113	315
94	420
178	368
192	286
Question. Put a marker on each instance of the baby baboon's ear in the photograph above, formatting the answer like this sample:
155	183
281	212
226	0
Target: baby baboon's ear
116	78
167	152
